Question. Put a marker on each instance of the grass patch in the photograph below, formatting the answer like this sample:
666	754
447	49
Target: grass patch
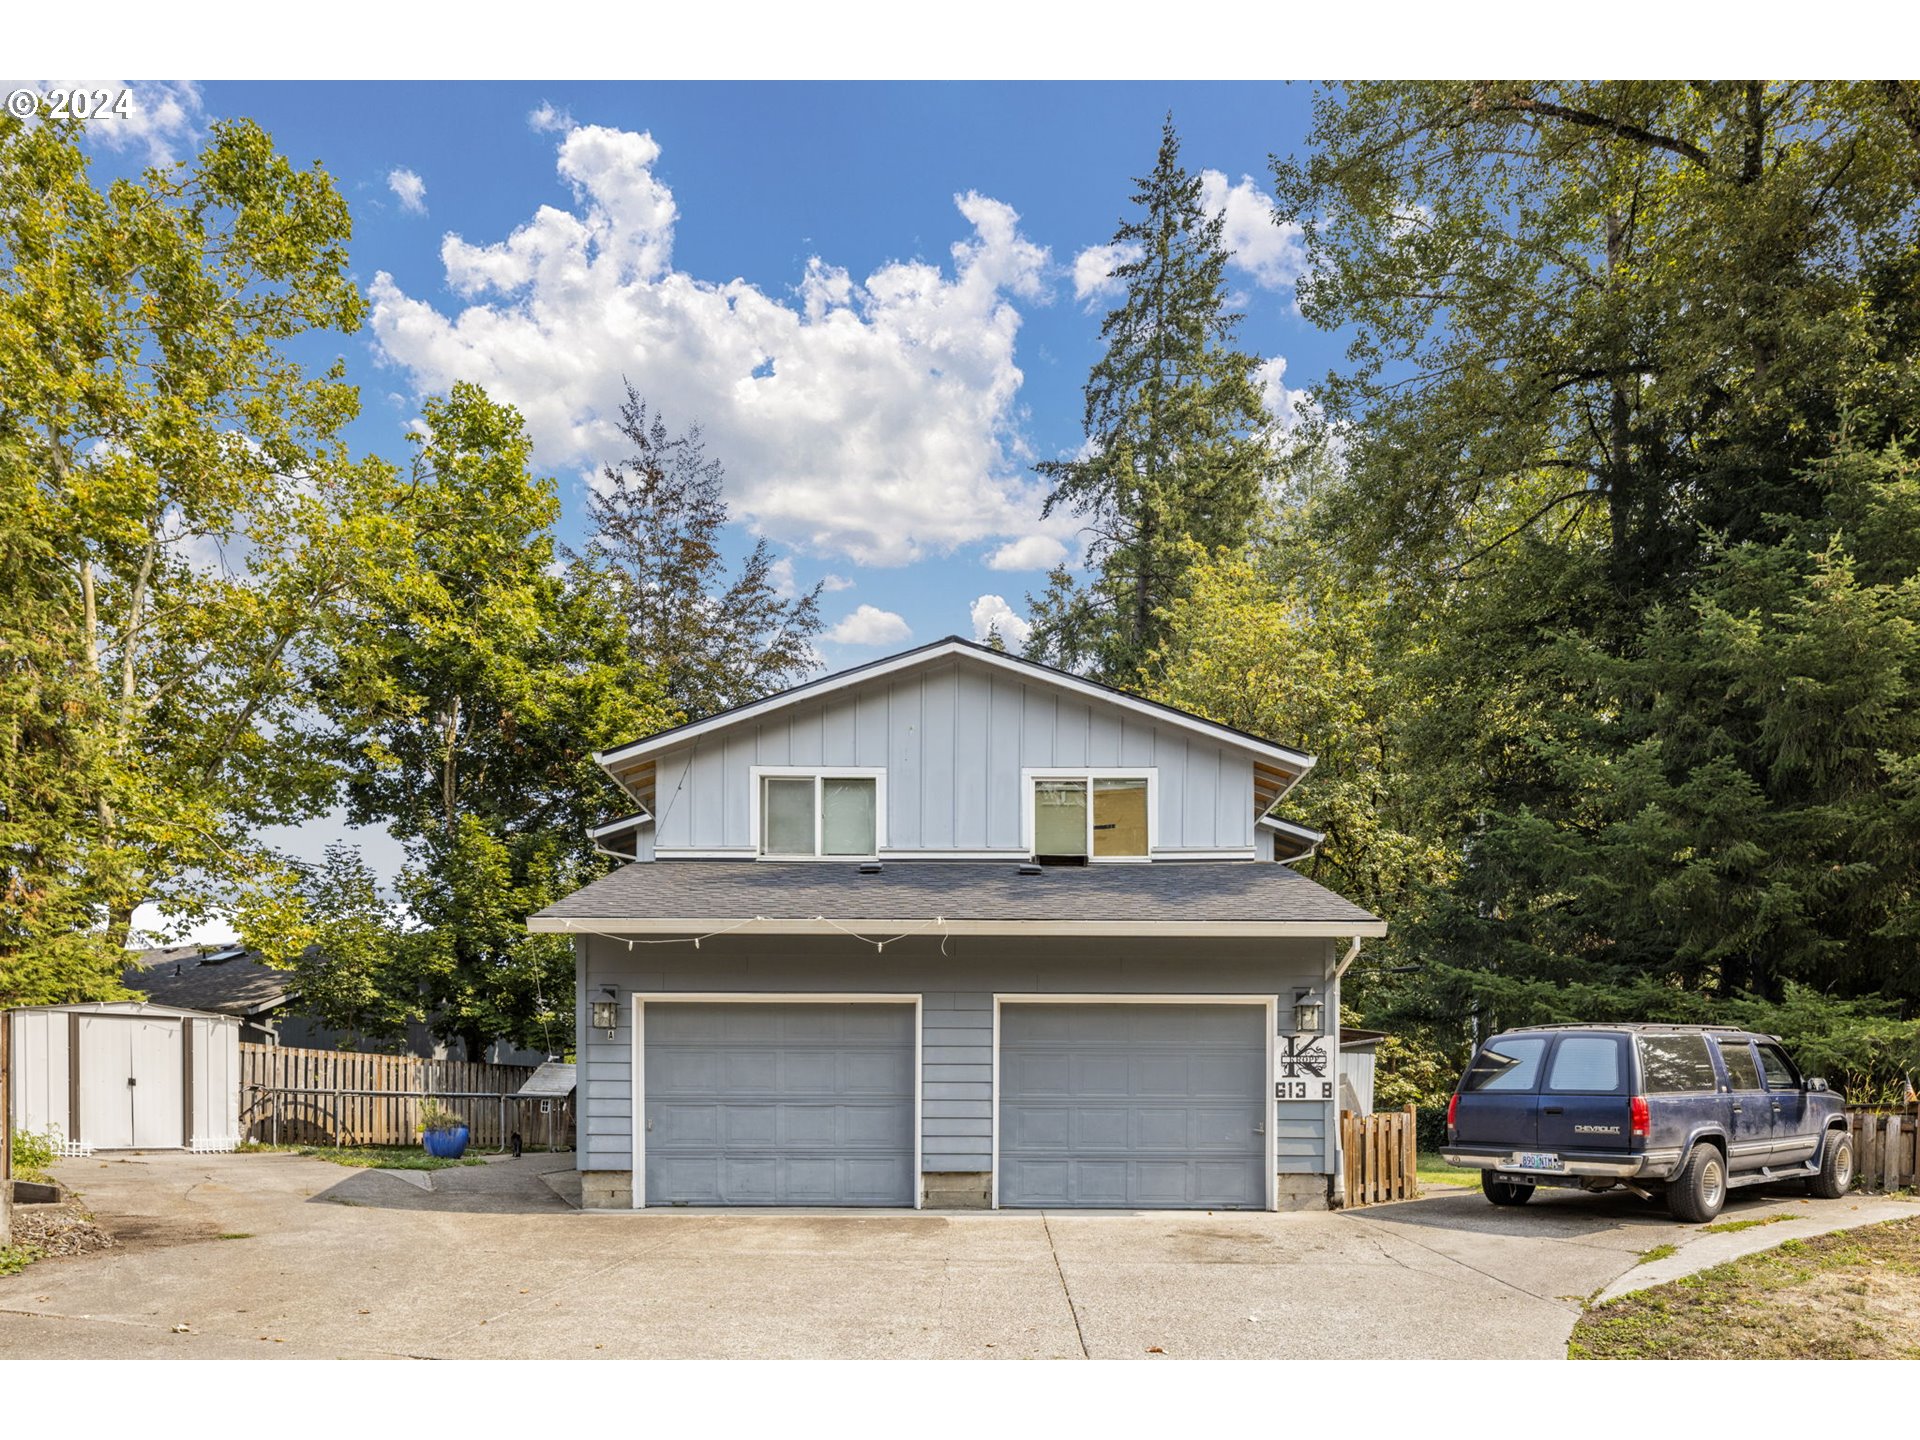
365	1157
1851	1296
15	1258
1658	1252
1430	1169
1728	1227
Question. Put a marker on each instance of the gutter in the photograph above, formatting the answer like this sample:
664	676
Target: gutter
934	924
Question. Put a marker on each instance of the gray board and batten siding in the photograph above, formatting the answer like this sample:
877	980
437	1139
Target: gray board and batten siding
956	981
953	737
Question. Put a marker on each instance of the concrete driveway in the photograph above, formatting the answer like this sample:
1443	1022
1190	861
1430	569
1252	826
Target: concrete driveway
493	1262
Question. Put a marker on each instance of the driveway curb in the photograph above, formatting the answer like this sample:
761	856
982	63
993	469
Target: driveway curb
1710	1250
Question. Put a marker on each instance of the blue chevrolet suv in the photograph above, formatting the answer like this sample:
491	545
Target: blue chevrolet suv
1688	1111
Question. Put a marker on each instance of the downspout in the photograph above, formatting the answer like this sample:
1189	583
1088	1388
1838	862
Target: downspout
1336	1183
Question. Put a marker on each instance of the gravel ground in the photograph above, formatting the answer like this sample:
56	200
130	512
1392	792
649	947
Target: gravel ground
59	1230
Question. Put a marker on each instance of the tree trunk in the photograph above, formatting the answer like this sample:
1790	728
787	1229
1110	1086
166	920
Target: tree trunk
475	1041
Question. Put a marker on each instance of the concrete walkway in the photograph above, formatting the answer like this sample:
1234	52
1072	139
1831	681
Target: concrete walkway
274	1255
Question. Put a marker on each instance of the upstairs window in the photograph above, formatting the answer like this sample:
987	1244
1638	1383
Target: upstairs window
819	816
1077	818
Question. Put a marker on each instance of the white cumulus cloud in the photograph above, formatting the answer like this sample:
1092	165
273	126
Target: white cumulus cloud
1287	405
410	188
871	418
870	626
1093	269
832	583
1030	552
1269	252
991	612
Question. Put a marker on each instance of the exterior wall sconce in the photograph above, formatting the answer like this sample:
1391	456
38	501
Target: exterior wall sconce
606	1013
1308	1013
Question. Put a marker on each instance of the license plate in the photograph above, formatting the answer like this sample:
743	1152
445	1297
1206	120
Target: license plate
1534	1160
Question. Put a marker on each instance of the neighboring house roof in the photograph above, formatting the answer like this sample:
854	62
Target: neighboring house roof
929	897
230	981
623	763
1352	1039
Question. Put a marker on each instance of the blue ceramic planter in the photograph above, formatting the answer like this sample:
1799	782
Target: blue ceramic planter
445	1144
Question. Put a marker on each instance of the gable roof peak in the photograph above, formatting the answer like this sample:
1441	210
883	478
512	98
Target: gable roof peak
1293	762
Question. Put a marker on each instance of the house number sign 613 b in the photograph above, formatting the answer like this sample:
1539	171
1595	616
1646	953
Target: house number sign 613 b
1300	1062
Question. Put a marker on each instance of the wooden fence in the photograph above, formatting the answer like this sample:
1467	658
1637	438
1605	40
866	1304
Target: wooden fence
341	1097
1884	1146
1379	1154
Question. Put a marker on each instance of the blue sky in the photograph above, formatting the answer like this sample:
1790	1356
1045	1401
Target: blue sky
852	463
879	300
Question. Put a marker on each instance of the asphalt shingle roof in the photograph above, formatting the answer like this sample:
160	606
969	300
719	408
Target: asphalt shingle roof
238	986
1207	891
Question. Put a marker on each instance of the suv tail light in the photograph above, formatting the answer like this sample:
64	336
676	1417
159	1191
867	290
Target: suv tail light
1642	1117
1453	1106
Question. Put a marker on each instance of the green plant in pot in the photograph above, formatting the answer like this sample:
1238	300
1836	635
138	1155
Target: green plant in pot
442	1133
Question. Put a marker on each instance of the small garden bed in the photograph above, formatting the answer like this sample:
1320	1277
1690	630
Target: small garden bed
366	1157
41	1231
1850	1296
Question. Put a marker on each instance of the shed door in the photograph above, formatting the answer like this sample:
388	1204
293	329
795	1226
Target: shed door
778	1104
130	1093
1133	1106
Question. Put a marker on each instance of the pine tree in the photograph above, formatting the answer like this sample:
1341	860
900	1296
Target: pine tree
1176	429
655	528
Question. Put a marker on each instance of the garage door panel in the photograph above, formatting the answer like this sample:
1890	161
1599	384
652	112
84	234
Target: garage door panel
1160	1129
1095	1183
1230	1180
1097	1128
817	1111
1234	1075
1160	1075
875	1072
684	1124
1098	1074
1164	1106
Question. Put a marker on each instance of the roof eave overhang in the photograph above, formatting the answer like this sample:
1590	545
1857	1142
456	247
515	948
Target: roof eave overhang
762	925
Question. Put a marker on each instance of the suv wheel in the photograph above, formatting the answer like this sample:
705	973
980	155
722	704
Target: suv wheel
1836	1167
1505	1192
1696	1194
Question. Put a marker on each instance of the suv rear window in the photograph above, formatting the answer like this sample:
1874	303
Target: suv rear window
1509	1063
1586	1065
1677	1064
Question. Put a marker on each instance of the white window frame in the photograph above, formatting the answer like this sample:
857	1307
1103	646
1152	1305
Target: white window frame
1149	773
817	773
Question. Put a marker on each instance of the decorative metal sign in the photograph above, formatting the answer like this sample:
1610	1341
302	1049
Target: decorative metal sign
1302	1068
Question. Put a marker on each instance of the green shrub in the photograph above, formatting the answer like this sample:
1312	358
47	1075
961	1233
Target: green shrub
32	1154
435	1116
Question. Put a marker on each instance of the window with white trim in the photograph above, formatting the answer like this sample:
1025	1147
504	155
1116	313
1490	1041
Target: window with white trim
1075	819
819	816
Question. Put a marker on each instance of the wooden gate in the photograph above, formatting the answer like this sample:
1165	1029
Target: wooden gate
1378	1155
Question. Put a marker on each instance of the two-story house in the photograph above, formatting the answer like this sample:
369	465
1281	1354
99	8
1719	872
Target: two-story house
956	929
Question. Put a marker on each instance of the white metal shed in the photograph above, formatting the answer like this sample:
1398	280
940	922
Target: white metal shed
126	1075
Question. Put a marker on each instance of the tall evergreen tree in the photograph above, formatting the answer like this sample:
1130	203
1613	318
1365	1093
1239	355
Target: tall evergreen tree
655	538
1176	433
